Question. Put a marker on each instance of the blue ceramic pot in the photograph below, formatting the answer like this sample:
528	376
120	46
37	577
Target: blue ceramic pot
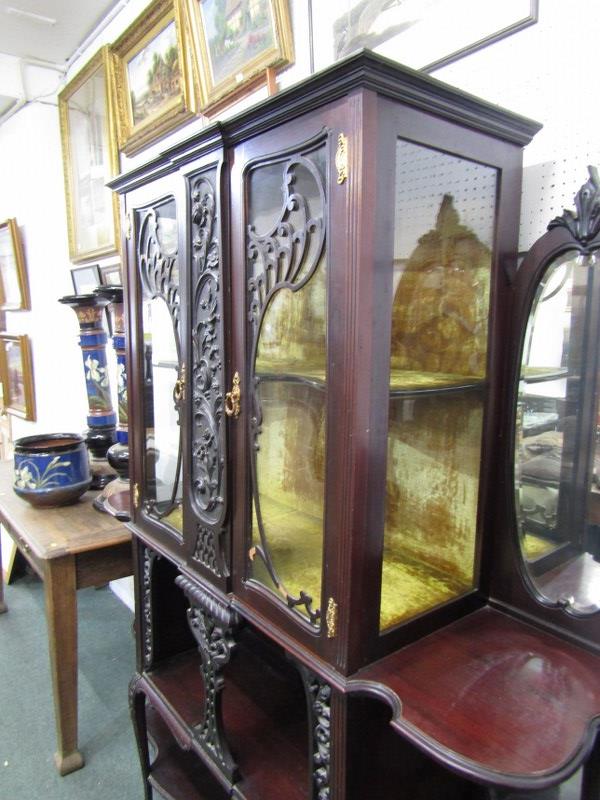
51	469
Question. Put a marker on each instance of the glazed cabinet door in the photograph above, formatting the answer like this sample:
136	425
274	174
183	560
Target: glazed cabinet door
158	360
278	399
447	209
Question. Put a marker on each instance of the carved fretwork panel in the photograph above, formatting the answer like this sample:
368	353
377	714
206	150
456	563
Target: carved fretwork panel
148	558
318	695
209	550
208	457
212	624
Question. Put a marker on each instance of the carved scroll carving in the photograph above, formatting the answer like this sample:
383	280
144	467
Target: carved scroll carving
212	624
208	430
148	559
286	256
318	694
159	272
584	225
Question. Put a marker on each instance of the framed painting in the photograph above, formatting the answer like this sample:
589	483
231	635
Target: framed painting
110	275
86	279
14	287
235	42
155	82
422	35
17	376
90	159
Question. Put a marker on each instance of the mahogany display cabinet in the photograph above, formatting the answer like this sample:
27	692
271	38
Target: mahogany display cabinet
341	588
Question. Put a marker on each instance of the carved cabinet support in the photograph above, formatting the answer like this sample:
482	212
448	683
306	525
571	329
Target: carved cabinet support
318	697
212	623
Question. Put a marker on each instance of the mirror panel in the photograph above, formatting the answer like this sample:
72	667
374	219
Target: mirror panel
556	461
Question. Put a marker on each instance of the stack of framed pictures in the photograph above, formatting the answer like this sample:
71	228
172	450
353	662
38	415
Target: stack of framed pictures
16	370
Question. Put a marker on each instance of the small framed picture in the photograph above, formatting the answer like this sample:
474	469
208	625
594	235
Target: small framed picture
90	159
17	376
14	288
110	275
155	85
234	42
86	279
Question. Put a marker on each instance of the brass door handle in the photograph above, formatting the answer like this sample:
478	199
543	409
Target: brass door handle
179	388
232	398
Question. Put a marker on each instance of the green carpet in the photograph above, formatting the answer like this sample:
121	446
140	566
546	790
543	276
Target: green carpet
27	730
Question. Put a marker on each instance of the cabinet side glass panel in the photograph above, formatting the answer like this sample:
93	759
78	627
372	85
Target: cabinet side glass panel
443	242
159	280
287	273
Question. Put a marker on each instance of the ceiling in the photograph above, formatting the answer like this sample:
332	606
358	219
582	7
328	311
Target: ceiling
50	30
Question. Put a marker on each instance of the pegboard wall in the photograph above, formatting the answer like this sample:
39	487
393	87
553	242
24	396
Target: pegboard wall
545	72
424	176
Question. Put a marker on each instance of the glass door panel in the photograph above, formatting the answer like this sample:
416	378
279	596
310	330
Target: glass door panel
287	276
443	241
163	379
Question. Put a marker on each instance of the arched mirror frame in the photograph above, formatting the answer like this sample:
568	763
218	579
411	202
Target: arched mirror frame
577	231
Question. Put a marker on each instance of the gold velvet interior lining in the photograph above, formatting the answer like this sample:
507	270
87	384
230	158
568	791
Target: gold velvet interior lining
295	542
174	518
536	546
431	505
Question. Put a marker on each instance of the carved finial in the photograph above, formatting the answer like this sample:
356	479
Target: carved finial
585	223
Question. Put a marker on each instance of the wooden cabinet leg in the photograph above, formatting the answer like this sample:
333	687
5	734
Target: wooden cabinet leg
61	616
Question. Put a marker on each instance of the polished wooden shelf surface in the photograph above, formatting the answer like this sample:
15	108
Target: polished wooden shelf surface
264	715
496	692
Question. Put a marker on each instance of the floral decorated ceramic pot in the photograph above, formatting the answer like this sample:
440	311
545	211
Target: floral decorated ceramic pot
51	469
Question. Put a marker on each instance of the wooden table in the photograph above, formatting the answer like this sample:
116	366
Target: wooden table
70	548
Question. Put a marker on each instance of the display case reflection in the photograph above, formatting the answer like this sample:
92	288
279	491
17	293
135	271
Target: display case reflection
556	449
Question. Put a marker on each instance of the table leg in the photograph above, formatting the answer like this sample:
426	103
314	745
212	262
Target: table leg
3	606
61	615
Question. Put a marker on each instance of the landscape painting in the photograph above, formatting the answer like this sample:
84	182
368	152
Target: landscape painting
154	75
238	40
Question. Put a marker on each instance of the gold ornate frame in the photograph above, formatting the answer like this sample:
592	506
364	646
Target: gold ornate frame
101	61
11	229
133	136
11	404
239	82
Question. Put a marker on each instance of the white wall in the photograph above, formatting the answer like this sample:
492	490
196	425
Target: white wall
544	72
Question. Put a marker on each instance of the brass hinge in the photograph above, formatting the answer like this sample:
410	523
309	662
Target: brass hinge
128	225
331	618
341	158
136	495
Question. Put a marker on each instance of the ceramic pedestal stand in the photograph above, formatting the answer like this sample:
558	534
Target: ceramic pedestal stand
101	419
114	499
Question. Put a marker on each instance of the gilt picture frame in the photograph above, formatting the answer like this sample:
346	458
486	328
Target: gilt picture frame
234	43
422	35
14	286
90	159
16	372
155	81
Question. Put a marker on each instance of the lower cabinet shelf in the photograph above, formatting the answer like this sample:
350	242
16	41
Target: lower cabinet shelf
264	721
177	774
